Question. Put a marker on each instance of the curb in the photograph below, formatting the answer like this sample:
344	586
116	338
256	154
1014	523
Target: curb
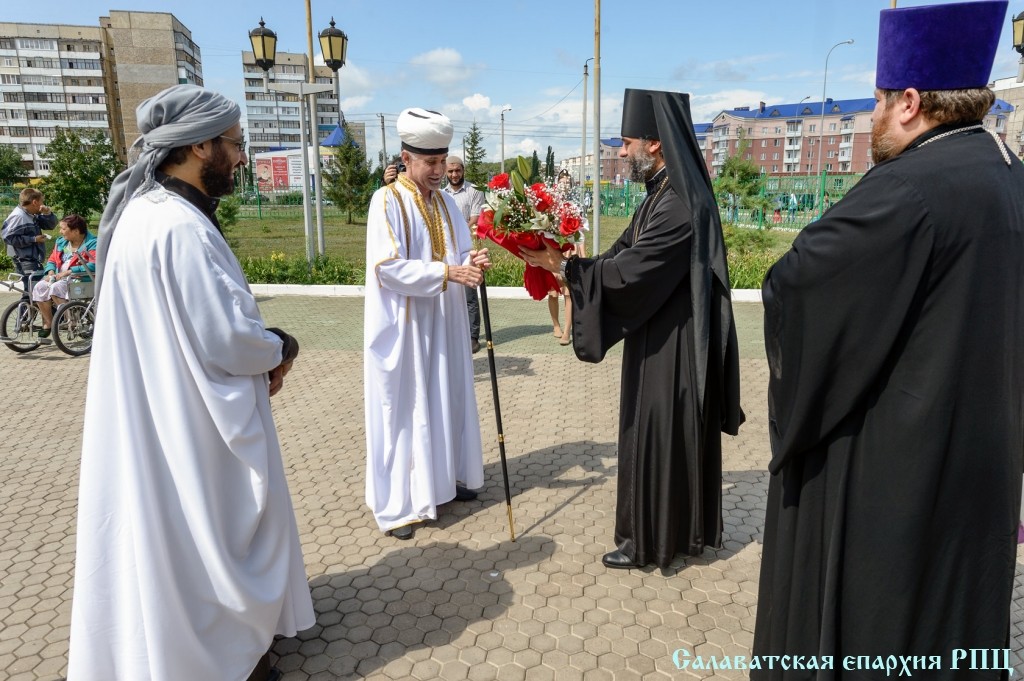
516	293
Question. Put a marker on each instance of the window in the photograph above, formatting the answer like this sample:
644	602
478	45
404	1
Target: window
776	143
831	127
764	143
831	154
775	156
36	44
775	169
811	127
831	140
9	79
763	156
778	129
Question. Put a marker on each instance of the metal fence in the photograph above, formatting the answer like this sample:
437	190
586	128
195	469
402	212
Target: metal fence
789	201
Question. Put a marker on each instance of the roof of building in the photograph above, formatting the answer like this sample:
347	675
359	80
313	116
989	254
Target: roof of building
790	112
612	142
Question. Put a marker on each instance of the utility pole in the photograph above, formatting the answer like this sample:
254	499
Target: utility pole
597	127
383	140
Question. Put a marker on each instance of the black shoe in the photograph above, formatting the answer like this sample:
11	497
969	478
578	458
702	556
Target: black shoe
404	532
44	333
476	346
618	560
464	494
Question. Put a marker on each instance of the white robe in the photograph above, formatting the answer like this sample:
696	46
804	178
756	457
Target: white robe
422	427
188	557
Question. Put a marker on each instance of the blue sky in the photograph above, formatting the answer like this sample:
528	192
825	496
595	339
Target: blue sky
470	61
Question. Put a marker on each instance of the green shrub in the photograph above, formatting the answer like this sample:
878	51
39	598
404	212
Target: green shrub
740	240
747	270
288	199
281	269
227	211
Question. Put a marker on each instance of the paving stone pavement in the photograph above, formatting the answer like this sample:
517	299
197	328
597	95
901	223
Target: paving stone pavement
460	601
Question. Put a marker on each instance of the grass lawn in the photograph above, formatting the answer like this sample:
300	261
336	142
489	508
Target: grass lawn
272	249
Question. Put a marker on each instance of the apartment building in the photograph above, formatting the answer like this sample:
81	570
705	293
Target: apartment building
88	77
1012	92
800	139
272	118
613	168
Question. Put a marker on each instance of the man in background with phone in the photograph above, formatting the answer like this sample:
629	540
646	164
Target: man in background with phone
23	231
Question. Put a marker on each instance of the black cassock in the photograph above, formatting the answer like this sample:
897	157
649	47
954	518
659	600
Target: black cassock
894	338
669	457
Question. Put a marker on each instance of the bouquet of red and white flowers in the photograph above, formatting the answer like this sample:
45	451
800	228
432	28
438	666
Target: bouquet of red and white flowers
517	215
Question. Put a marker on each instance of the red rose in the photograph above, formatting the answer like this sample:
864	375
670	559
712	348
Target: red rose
542	200
499	182
569	225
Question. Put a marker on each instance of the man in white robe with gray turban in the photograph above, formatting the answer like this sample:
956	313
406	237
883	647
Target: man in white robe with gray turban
422	427
188	559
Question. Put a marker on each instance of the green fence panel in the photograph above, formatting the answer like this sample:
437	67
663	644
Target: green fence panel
793	201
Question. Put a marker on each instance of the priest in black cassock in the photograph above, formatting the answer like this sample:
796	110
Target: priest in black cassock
663	289
894	334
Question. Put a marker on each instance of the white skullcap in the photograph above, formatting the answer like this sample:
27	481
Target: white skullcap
424	132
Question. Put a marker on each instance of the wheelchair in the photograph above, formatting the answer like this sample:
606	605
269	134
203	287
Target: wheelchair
72	323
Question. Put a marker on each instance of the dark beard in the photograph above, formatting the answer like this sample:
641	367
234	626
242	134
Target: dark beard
640	165
883	146
217	175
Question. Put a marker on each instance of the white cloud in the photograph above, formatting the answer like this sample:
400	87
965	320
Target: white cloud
705	107
477	102
443	66
356	81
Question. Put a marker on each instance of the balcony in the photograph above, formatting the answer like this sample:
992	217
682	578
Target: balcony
793	146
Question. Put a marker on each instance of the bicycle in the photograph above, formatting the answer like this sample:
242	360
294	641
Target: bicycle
75	320
20	322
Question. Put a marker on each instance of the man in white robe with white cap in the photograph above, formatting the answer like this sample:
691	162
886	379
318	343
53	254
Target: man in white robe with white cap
188	560
422	427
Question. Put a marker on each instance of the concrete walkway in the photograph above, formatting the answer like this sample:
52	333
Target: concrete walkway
460	601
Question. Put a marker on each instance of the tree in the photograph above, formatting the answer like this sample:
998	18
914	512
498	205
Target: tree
535	168
549	165
742	179
347	178
475	173
82	167
11	168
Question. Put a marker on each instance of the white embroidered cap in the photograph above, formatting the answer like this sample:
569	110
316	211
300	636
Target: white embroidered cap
424	132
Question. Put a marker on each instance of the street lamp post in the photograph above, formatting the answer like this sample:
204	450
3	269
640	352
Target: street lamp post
508	108
583	149
264	49
821	127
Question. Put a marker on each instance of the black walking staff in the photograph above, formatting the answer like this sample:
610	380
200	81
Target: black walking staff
497	402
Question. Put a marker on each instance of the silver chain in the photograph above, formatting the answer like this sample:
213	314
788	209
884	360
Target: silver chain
977	126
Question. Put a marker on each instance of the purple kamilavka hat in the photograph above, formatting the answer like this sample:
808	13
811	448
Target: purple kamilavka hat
938	47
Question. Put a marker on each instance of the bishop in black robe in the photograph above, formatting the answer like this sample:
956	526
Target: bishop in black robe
662	289
893	330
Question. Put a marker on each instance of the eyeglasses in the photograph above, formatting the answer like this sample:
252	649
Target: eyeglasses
239	143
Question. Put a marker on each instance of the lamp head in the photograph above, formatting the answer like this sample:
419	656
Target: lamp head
264	46
334	46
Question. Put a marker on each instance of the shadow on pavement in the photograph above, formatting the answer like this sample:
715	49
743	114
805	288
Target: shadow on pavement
415	598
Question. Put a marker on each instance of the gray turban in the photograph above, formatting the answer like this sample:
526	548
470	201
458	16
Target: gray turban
178	116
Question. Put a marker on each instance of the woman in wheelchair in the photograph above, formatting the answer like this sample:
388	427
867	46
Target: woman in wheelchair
74	255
